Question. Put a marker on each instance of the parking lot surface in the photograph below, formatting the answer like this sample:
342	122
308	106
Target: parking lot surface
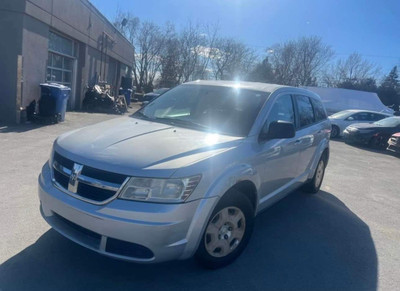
346	237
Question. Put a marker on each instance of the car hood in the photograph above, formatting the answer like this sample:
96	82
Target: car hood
396	134
138	147
365	126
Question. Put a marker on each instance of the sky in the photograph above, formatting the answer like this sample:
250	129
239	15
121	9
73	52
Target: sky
371	28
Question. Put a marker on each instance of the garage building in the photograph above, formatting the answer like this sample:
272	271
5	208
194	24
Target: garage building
67	42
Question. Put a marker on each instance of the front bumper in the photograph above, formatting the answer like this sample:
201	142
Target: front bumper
394	146
129	230
356	137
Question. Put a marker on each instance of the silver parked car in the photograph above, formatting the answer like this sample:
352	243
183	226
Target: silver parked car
186	174
343	119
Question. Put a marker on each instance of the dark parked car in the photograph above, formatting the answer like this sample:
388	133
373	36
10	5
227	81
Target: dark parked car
153	95
394	143
374	134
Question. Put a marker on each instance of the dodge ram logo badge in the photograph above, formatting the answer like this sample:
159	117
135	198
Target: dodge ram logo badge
73	179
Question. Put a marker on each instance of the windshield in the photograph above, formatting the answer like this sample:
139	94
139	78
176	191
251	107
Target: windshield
389	122
218	109
341	114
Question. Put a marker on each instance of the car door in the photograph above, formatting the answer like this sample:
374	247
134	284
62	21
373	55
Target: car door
308	132
277	159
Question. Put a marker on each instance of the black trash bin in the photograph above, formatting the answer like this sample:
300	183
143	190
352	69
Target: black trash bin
53	101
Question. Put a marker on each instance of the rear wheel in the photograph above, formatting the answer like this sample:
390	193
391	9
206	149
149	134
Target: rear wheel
227	232
335	131
313	185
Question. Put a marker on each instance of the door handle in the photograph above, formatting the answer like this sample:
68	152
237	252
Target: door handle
297	142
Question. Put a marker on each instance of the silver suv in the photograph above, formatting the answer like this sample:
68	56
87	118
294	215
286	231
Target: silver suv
186	174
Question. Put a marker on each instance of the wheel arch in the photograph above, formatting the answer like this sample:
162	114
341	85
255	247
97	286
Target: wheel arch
325	155
247	188
322	151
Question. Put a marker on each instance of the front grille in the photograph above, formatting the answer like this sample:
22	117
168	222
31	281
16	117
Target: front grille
85	182
61	179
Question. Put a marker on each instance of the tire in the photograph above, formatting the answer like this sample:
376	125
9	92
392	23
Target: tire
335	131
313	185
378	142
221	244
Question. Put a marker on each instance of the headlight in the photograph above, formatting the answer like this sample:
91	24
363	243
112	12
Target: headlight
159	190
51	157
351	129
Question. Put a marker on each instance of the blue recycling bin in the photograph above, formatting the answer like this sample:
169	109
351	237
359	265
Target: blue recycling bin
53	101
127	93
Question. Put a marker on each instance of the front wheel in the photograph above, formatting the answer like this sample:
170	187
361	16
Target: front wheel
378	142
227	232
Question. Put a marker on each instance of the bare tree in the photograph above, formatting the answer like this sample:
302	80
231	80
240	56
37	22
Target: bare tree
190	49
195	50
312	55
209	38
283	61
149	42
349	71
231	59
128	25
300	62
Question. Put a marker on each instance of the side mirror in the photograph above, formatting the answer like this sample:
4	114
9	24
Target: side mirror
351	118
278	129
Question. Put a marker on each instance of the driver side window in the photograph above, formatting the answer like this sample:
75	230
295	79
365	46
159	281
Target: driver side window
281	110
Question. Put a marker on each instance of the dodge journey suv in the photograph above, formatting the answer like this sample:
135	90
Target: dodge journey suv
187	173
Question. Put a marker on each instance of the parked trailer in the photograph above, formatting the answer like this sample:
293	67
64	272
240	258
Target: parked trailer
338	99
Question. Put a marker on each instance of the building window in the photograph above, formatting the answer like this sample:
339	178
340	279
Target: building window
59	69
60	60
61	44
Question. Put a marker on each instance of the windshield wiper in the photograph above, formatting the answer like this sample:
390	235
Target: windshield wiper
194	124
181	122
140	115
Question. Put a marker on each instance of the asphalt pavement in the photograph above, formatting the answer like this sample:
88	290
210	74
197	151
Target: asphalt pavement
346	237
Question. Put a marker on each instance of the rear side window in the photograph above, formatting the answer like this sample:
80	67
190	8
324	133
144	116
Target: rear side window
305	109
319	110
376	116
362	116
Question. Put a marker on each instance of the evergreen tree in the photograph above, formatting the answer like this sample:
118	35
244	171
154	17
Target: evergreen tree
367	84
389	90
262	72
170	64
